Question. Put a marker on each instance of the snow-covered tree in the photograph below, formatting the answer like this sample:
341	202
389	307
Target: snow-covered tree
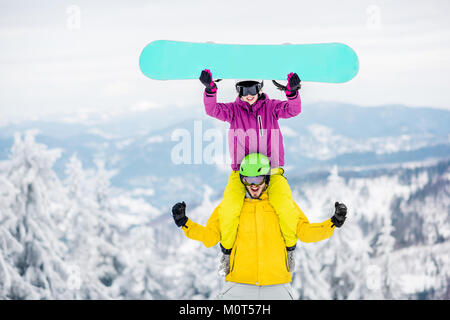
309	279
384	248
92	232
32	262
102	183
344	257
9	245
143	275
194	268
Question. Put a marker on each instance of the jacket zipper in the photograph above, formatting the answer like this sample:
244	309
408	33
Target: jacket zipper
260	126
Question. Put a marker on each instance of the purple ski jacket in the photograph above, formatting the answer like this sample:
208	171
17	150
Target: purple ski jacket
254	128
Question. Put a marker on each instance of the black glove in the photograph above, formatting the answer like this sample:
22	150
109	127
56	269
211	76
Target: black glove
293	84
339	214
179	214
206	79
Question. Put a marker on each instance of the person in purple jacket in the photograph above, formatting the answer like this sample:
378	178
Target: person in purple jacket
253	119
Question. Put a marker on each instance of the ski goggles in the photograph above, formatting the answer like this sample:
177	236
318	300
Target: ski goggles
248	89
257	181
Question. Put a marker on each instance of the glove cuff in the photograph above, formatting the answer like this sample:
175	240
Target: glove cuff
336	222
182	222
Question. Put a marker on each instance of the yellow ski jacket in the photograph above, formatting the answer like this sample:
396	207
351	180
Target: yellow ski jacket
259	254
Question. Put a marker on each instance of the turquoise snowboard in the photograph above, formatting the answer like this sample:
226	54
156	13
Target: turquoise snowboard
175	60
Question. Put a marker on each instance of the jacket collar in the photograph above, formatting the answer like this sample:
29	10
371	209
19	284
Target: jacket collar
255	106
264	196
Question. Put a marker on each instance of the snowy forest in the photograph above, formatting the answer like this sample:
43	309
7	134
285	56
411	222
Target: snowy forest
79	237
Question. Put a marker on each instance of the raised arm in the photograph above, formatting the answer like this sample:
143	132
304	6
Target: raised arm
221	111
314	232
209	235
287	109
291	107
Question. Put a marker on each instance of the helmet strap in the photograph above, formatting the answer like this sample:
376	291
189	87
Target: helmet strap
267	180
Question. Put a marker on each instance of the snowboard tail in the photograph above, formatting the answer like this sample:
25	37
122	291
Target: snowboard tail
176	60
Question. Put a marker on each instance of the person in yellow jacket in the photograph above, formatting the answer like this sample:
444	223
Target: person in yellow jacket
259	265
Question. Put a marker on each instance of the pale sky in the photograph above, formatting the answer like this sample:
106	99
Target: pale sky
81	57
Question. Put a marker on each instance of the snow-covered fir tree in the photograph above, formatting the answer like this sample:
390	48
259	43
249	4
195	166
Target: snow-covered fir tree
309	279
343	258
32	255
143	275
194	267
384	248
92	231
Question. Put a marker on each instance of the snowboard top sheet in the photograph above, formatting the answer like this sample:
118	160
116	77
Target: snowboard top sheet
177	60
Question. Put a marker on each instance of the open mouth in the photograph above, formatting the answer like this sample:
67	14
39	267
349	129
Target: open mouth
254	188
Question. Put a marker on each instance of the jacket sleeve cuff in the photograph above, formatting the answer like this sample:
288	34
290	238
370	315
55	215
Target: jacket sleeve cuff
187	225
330	224
210	93
292	95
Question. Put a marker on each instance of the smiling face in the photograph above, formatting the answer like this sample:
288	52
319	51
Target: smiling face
250	99
255	191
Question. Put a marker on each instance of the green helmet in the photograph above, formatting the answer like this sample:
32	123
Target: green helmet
255	164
